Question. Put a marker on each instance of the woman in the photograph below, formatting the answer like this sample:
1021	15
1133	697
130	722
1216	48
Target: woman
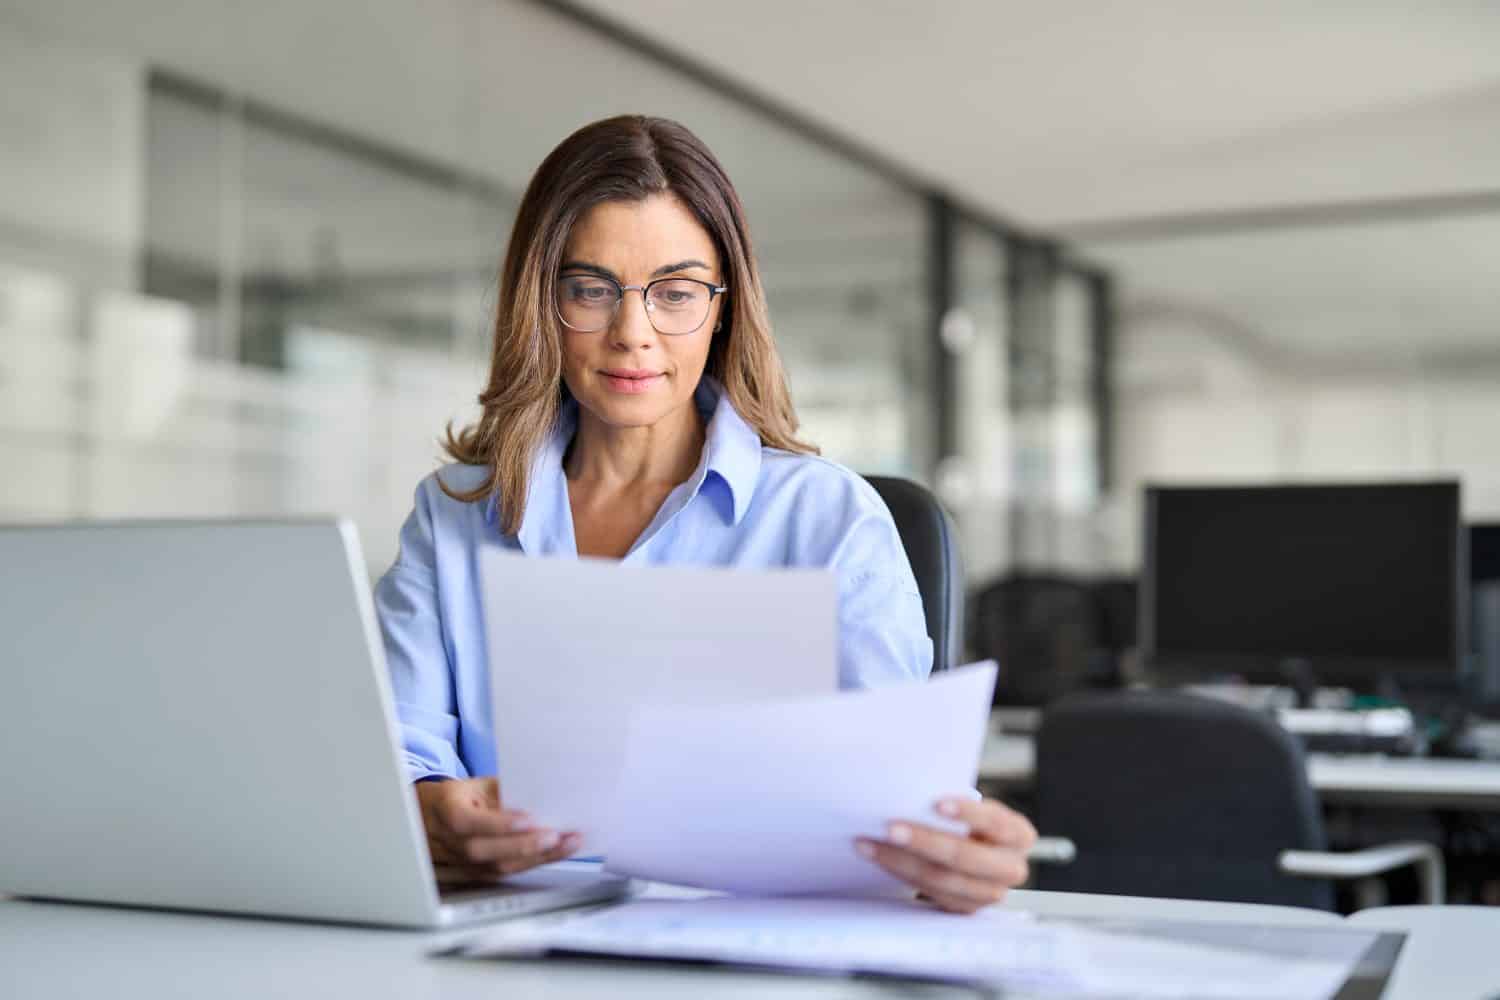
636	409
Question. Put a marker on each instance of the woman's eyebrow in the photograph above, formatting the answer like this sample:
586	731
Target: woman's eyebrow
681	265
603	272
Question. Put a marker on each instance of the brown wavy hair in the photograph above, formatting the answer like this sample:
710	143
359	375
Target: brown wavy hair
628	158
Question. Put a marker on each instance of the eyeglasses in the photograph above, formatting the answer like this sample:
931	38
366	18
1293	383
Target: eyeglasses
588	303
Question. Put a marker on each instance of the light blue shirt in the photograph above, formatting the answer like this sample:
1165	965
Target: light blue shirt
745	505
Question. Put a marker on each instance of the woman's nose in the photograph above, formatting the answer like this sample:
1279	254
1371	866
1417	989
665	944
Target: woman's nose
632	326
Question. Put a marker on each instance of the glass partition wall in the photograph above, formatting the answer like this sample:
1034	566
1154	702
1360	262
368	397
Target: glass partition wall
1028	332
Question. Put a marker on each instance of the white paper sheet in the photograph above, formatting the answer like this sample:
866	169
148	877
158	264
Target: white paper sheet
574	645
767	798
1186	961
1002	947
826	935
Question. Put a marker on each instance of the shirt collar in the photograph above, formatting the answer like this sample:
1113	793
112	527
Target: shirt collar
731	454
732	449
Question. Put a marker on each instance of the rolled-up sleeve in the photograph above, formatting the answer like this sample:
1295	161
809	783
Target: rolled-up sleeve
406	599
882	629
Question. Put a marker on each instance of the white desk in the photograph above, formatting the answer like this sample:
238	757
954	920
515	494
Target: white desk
62	950
71	951
1415	781
1427	782
1432	962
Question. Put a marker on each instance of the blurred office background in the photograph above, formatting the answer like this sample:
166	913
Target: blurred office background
1034	255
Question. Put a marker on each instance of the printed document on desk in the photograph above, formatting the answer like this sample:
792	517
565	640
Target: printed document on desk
998	947
574	646
767	798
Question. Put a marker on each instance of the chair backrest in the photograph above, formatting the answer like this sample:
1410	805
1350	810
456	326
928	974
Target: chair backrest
1044	631
1175	795
1117	599
931	544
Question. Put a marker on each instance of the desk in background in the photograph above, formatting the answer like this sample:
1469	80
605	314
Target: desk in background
1418	782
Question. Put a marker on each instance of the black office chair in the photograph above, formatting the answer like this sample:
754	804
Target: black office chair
1117	601
1043	630
931	544
1175	795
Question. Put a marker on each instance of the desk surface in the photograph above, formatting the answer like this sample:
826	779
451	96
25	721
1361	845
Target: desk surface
1418	781
67	950
1435	937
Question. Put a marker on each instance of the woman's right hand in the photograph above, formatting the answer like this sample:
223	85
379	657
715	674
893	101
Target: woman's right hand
472	838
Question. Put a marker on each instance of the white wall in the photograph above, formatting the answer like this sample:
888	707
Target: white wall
72	118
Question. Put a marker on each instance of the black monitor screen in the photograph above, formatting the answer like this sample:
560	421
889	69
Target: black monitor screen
1337	576
1484	552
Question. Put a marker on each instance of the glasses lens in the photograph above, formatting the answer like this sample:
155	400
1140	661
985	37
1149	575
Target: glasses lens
585	302
678	305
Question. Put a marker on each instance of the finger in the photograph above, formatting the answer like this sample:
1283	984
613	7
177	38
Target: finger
469	813
990	821
964	855
567	845
942	884
566	848
460	870
932	879
494	850
952	904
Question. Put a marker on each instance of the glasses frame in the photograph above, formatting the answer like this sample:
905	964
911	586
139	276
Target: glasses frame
645	290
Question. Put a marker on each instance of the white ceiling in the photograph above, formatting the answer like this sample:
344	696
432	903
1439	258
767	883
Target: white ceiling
1074	110
1350	296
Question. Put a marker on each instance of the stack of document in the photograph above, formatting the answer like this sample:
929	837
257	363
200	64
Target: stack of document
1006	949
687	722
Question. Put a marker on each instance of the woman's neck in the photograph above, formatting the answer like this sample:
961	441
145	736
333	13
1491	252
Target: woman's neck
665	453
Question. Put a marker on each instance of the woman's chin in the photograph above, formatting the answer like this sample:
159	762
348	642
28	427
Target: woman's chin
634	410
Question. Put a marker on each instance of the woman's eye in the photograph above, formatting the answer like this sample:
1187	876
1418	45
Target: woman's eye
582	291
676	296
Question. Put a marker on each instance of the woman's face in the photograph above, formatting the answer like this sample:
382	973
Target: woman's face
628	374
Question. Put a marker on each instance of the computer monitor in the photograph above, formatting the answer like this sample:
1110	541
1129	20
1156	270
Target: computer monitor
1484	552
1484	613
1346	584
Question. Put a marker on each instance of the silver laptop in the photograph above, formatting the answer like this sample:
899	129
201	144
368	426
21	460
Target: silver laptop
197	715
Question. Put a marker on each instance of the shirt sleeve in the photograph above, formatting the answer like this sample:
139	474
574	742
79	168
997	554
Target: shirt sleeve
406	601
882	628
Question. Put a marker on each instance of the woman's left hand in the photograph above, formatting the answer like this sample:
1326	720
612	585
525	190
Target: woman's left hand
955	872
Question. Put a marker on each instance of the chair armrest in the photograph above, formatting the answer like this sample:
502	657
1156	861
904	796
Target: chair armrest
1371	861
1052	851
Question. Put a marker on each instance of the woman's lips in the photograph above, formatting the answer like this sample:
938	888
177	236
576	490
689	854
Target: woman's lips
630	381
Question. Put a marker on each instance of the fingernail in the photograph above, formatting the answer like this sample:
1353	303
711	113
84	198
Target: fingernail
948	808
866	849
573	841
520	823
547	841
898	833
